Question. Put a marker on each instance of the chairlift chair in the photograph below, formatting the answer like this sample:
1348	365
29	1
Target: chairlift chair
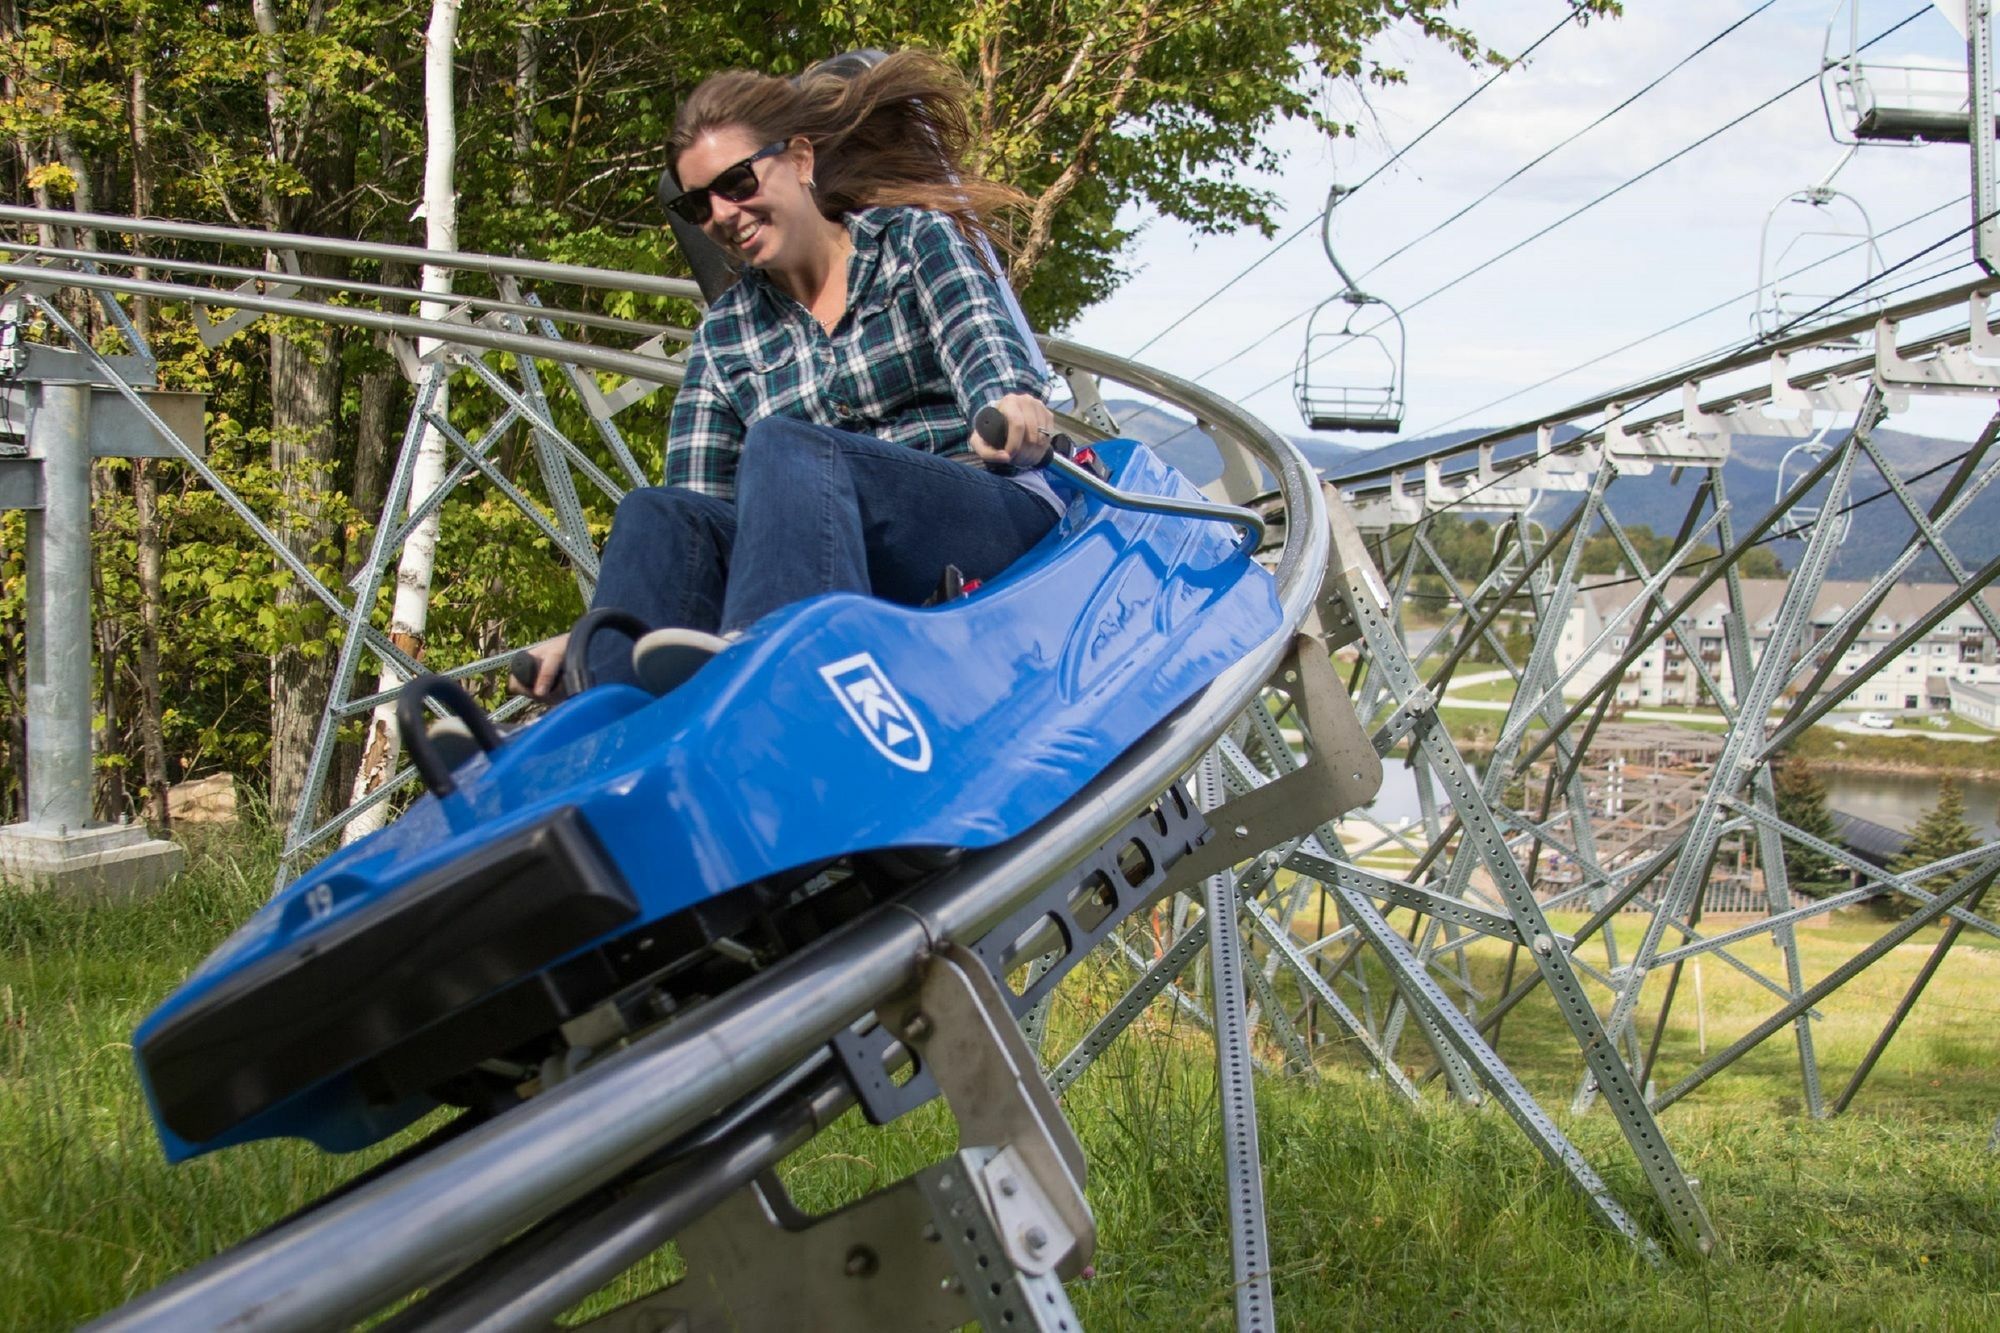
1906	99
1350	378
1358	385
1804	230
1800	520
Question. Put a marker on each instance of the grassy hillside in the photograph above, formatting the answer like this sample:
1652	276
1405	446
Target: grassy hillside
1383	1215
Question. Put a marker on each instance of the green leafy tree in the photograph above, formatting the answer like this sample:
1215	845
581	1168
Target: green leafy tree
1603	555
306	115
1941	831
1802	804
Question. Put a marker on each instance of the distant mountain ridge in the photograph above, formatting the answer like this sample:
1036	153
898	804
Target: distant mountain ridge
1882	527
1749	480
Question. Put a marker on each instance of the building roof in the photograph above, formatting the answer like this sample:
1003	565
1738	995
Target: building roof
1979	694
1873	842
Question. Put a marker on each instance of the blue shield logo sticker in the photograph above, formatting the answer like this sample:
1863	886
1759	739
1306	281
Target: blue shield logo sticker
879	710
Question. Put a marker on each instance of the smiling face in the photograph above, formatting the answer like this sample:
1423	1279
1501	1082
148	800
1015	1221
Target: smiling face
774	227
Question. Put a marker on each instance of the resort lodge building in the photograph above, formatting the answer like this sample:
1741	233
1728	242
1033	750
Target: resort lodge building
1952	669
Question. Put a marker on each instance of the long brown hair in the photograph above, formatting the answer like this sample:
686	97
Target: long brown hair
893	133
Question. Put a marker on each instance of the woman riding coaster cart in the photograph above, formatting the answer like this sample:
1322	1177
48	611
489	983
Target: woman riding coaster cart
613	861
819	441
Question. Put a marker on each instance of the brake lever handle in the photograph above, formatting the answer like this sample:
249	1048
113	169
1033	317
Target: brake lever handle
991	425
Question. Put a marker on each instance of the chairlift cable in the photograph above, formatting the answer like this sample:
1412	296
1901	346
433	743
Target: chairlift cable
1269	334
1767	539
1744	345
1700	359
1615	190
1277	329
1677	66
1788	533
1680	323
1602	356
1314	221
1936	245
1629	408
1715	353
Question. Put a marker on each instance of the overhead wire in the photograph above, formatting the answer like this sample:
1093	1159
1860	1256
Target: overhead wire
1574	13
1867	296
1685	320
1786	534
1628	408
1552	150
1624	411
1938	244
1611	193
1616	351
1516	175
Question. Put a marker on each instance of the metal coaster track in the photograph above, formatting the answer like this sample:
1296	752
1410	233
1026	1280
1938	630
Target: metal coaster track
515	1220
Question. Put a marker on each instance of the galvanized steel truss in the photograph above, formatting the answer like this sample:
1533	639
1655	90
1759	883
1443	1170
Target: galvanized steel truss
1296	924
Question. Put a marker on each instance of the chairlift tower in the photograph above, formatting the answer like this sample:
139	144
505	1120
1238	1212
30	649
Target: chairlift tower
1906	100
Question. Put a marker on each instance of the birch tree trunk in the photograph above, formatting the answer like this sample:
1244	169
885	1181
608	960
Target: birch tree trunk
145	490
411	613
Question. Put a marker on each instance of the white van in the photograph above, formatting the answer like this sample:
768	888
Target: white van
1878	721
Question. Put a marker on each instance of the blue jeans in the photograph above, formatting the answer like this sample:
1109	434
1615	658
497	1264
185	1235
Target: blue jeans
817	510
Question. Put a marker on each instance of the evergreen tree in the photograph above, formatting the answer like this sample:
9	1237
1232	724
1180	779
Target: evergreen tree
1802	804
1941	832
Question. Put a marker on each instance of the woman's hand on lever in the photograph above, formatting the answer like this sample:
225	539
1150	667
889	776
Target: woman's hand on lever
1031	429
547	657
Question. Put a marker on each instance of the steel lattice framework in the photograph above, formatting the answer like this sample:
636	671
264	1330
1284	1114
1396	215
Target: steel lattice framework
1275	753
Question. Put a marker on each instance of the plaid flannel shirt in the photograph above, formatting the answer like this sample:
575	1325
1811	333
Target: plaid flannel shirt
925	342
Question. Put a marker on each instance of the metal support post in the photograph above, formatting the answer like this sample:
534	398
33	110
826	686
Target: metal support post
1243	1171
1656	1157
1740	752
59	611
59	846
1770	846
1985	190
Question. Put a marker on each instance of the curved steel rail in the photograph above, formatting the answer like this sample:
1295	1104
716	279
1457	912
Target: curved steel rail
655	369
465	261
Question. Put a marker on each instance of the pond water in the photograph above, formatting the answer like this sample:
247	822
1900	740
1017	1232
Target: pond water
1898	800
1397	803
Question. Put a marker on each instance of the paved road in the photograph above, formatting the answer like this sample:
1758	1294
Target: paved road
1928	733
1655	715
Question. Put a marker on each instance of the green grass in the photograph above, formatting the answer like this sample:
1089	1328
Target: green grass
1486	691
1953	726
1383	1215
1908	747
1910	752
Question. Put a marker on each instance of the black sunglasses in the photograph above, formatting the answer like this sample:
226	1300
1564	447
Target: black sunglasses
734	183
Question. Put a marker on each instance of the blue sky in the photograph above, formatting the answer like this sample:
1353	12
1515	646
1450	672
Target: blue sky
1676	243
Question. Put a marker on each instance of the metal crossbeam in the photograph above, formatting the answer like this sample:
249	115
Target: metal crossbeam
1276	980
